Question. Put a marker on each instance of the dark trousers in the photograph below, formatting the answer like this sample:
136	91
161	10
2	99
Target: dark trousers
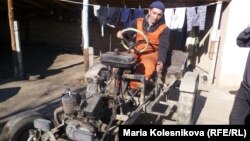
241	108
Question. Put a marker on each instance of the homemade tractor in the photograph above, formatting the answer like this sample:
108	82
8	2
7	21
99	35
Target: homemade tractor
108	100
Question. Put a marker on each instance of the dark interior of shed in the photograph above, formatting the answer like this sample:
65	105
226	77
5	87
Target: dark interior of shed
51	27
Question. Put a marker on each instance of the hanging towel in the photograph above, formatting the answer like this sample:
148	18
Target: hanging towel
196	18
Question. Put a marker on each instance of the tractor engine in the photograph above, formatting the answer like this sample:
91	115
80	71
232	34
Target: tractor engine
90	104
79	118
76	130
84	124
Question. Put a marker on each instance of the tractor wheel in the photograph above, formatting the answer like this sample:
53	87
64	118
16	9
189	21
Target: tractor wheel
17	128
188	98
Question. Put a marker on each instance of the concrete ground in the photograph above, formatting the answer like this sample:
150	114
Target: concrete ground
215	105
47	76
66	71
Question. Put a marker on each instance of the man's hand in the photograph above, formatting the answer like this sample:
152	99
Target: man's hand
119	34
159	67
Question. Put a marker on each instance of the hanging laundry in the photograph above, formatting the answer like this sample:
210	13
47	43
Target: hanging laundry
196	18
129	15
108	16
168	13
178	18
125	16
192	42
175	17
138	13
96	8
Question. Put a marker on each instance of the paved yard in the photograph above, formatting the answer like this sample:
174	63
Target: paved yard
42	90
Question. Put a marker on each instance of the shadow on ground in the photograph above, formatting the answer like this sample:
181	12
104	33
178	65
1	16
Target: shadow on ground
7	93
199	106
45	109
36	61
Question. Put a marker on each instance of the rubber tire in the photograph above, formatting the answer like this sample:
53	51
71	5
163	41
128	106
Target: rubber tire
19	131
186	108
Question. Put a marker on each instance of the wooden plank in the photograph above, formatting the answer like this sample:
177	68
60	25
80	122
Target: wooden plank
12	35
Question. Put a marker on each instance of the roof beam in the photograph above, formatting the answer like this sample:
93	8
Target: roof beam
146	3
35	4
61	4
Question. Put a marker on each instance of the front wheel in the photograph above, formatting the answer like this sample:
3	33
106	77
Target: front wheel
17	128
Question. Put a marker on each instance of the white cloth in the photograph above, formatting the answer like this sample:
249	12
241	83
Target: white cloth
168	13
196	18
96	8
175	18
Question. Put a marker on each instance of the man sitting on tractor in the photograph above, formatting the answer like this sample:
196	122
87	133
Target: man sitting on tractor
154	27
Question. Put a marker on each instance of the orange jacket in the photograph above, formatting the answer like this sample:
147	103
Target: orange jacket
153	37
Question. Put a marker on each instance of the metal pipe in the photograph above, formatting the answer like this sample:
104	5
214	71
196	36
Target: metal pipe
56	113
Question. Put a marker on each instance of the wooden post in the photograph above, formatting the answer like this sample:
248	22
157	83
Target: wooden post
214	40
13	43
91	56
86	58
18	50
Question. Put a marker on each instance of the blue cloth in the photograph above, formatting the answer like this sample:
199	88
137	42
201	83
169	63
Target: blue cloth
125	16
128	15
108	16
138	13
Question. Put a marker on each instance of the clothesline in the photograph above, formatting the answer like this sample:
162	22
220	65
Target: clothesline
213	3
69	1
